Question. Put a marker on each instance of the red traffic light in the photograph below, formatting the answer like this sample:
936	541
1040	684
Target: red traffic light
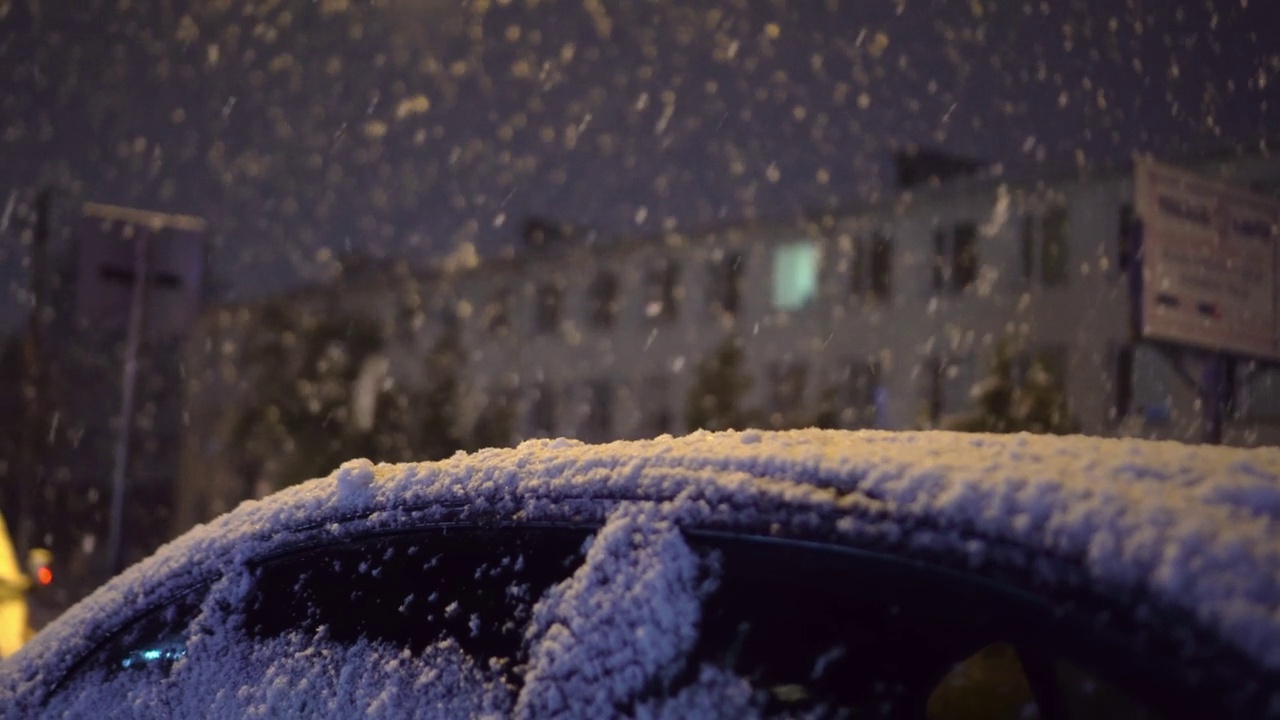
44	576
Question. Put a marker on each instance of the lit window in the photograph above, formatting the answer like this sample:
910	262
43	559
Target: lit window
795	275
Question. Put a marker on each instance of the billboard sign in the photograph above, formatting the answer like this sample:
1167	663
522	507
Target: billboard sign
1210	259
107	268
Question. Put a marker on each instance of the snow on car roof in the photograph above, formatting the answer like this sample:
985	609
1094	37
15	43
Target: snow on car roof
1193	526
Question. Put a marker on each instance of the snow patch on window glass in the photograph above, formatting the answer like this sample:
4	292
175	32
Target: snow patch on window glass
621	623
295	675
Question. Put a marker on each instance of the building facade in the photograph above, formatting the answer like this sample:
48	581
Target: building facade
884	315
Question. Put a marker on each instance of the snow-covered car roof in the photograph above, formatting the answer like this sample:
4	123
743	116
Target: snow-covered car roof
1193	527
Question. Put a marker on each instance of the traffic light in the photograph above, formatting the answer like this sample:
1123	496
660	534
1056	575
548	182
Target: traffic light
39	566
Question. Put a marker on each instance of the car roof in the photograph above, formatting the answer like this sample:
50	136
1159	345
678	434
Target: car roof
1191	526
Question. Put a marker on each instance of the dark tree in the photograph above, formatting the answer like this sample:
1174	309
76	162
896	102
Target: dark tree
297	423
1006	403
437	434
715	400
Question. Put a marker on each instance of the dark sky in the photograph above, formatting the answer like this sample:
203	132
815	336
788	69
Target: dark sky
406	127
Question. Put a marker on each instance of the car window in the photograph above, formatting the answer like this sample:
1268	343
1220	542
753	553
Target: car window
474	586
154	639
772	627
822	630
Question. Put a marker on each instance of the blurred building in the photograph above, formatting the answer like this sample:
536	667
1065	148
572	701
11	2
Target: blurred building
883	315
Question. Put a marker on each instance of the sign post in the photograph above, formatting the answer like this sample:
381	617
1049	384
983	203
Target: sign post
128	391
147	264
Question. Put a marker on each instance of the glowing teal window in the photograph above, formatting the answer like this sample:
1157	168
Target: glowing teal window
795	275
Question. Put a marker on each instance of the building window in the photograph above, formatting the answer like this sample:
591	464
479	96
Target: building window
498	312
933	369
1044	246
955	257
941	272
964	257
1028	245
1053	255
1258	396
598	424
786	390
1123	381
604	299
881	267
795	275
1128	236
660	291
724	282
656	417
1266	186
547	307
493	427
543	411
871	273
858	391
1153	384
949	384
857	266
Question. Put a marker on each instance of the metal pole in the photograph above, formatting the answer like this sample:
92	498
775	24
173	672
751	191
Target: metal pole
31	462
129	383
1213	398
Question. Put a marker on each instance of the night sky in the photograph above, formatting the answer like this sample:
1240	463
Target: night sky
307	129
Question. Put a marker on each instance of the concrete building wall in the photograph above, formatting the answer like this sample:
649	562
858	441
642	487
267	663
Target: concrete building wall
643	360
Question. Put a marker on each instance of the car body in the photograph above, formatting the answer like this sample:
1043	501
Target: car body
803	573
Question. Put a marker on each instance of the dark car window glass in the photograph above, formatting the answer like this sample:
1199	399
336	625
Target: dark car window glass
476	586
850	634
155	639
